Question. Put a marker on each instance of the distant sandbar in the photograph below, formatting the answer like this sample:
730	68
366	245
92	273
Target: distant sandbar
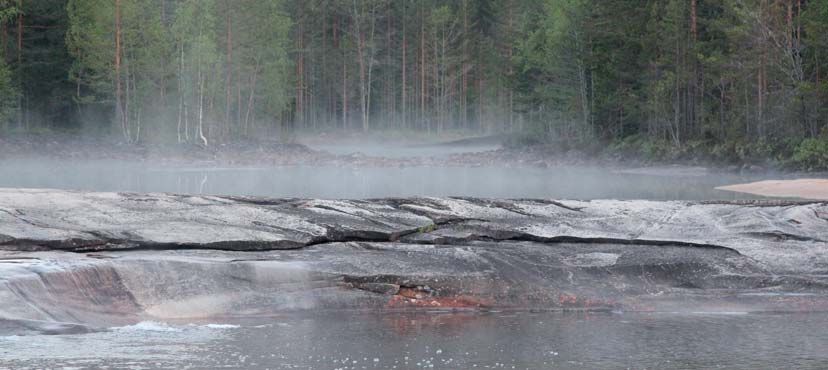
801	188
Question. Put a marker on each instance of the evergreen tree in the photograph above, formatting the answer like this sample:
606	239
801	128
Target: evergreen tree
8	91
743	77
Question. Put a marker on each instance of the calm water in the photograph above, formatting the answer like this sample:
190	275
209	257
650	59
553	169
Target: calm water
444	341
419	341
339	182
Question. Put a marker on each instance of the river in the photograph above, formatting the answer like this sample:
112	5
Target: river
426	340
563	182
493	340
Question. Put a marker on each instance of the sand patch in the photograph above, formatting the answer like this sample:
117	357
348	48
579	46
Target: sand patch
801	188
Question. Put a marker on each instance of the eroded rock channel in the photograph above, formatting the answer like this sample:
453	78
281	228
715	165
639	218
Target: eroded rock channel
74	261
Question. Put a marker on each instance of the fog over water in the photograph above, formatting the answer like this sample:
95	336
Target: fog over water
328	181
425	340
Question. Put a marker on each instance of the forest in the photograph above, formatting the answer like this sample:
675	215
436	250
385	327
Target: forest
724	80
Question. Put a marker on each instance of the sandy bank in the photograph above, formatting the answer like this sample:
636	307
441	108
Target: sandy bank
800	188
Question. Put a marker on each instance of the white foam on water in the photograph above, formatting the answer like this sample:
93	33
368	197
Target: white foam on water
703	313
220	326
148	326
728	313
154	326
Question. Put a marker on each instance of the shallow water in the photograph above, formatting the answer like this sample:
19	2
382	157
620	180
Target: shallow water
346	182
505	340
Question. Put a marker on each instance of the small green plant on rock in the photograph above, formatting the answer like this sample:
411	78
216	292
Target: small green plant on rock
426	229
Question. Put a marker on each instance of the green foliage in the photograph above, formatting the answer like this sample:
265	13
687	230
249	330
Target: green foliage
8	9
426	229
640	147
89	41
177	64
811	154
728	80
8	92
267	51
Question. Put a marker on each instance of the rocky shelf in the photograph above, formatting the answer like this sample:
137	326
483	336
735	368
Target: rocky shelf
71	261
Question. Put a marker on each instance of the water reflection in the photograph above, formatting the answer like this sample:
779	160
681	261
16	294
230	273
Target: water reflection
449	341
341	182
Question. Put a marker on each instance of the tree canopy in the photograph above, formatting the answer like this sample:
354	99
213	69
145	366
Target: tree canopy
651	74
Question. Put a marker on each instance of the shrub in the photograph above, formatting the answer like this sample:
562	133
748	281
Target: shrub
811	155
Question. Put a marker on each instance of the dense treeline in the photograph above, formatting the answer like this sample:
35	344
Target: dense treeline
732	78
729	77
174	70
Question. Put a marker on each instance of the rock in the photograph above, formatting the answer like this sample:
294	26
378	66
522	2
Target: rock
94	259
379	288
752	168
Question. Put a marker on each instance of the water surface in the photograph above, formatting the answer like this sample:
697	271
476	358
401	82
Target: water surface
348	340
565	182
504	340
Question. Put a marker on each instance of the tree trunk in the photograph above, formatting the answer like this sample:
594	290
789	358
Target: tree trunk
201	107
404	67
361	60
127	96
163	60
20	113
181	105
464	68
300	76
4	39
250	99
422	71
694	67
228	72
344	92
389	89
509	70
367	122
119	113
693	30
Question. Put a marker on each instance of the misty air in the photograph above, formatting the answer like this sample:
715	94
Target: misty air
413	184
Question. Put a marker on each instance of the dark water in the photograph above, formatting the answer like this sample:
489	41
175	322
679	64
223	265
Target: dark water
445	341
339	182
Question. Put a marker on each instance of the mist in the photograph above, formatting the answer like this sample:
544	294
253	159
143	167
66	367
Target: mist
356	178
428	184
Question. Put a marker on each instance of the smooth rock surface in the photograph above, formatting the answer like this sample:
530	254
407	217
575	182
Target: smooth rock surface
71	260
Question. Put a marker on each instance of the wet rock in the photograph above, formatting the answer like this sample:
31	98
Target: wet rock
27	327
379	288
161	256
780	236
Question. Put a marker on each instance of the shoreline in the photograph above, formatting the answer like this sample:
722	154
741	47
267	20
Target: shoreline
816	189
281	153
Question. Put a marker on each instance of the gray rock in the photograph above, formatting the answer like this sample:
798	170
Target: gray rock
98	259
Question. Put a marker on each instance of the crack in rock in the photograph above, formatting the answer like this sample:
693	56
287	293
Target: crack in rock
97	222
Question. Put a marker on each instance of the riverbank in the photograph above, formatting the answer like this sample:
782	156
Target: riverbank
327	150
807	155
350	151
801	188
28	157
